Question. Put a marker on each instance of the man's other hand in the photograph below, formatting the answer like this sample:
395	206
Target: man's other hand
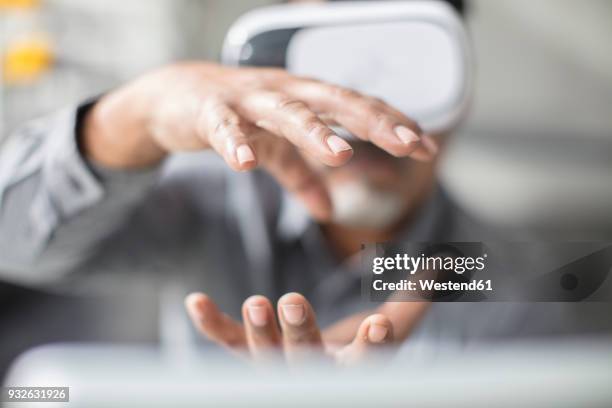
291	329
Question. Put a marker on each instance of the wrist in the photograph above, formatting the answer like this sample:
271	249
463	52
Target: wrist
114	132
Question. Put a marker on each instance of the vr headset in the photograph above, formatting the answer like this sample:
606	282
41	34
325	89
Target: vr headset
415	55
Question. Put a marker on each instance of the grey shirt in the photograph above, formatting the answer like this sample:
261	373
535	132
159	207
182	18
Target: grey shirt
194	225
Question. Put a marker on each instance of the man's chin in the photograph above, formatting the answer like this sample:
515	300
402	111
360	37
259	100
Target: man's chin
359	205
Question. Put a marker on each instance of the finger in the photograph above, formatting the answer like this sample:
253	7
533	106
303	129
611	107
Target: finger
282	160
292	119
223	129
342	332
262	333
368	118
430	143
373	334
301	335
214	324
403	315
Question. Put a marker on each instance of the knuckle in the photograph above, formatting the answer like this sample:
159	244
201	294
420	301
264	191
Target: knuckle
290	105
381	120
316	130
376	100
379	116
225	124
375	103
344	93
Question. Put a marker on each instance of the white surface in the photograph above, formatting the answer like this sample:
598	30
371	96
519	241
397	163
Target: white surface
526	375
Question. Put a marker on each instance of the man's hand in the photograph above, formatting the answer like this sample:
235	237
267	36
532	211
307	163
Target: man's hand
295	332
249	116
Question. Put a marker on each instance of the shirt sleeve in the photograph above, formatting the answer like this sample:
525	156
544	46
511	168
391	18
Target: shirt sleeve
55	206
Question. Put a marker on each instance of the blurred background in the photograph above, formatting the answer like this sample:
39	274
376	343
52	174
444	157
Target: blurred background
540	124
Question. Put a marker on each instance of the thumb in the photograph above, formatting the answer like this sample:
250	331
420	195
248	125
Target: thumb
374	335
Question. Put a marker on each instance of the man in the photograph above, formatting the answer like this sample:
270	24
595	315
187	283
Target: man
80	204
102	170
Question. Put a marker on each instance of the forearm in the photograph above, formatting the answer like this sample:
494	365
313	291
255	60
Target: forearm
54	210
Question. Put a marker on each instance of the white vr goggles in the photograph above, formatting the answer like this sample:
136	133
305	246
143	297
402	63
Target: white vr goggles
415	55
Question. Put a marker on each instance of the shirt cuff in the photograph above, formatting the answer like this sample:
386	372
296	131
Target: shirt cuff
76	183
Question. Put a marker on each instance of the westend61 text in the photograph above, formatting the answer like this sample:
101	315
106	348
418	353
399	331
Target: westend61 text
432	285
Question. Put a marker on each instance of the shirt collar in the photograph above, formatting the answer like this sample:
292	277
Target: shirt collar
293	220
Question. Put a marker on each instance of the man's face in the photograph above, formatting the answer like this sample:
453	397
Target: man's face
375	190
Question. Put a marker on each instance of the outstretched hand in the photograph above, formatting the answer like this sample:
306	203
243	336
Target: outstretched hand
292	329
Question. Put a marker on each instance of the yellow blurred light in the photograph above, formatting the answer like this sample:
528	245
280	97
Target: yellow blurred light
26	60
18	4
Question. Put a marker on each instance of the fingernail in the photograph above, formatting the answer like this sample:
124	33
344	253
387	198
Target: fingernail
406	135
430	144
244	154
337	144
294	314
377	333
191	302
257	315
